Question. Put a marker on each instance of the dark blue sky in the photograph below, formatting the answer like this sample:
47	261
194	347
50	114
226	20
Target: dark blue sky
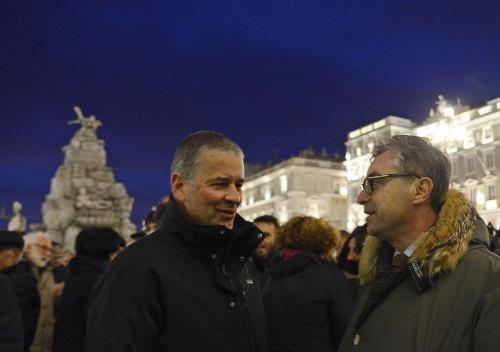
276	76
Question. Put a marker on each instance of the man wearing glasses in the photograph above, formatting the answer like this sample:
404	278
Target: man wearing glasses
429	282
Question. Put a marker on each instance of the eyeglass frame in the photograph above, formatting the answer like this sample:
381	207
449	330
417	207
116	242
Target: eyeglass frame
367	184
42	247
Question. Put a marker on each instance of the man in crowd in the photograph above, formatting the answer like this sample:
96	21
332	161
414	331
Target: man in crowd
187	286
269	226
22	280
95	248
446	297
37	251
11	326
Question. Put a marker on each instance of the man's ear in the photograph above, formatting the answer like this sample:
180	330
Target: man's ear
422	190
177	185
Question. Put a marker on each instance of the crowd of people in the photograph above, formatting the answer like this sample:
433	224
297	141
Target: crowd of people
420	275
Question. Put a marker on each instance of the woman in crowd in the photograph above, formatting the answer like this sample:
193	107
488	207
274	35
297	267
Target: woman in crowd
348	259
307	301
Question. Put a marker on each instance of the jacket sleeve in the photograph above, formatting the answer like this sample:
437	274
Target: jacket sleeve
341	306
125	313
487	327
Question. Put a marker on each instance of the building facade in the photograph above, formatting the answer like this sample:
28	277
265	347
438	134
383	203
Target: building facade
470	137
308	184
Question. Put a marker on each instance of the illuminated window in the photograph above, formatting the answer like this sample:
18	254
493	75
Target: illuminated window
283	216
470	164
491	192
370	146
469	141
336	188
267	194
472	196
454	168
488	160
487	135
283	183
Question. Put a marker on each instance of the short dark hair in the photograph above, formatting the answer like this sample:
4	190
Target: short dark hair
417	155
97	243
187	152
268	219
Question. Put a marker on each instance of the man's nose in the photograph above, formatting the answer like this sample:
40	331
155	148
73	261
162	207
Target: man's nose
363	197
233	195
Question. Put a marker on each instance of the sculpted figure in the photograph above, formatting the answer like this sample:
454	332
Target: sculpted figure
18	221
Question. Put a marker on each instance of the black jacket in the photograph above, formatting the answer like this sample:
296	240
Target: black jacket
24	284
307	303
185	288
11	326
69	333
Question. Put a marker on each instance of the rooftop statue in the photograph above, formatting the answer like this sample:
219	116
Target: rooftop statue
86	122
441	104
18	221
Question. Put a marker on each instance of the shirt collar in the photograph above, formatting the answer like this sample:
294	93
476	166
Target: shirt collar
409	250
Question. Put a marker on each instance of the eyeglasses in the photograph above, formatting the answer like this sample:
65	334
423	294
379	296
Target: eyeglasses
43	248
367	184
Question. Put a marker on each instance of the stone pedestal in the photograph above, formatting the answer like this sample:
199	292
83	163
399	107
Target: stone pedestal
83	192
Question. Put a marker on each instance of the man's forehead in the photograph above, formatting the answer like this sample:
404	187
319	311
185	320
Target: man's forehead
383	163
266	226
209	162
43	240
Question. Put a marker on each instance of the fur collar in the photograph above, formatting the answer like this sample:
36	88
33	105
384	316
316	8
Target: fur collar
441	248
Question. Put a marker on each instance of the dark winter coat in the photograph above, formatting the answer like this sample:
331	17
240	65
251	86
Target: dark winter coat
185	288
69	333
11	326
447	299
308	305
24	284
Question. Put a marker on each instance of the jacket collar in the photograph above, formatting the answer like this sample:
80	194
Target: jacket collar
82	264
294	264
243	238
438	250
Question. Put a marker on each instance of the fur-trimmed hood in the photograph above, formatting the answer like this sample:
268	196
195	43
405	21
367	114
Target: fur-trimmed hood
443	246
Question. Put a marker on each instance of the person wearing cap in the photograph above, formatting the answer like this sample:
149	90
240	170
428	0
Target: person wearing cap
187	287
22	280
428	281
